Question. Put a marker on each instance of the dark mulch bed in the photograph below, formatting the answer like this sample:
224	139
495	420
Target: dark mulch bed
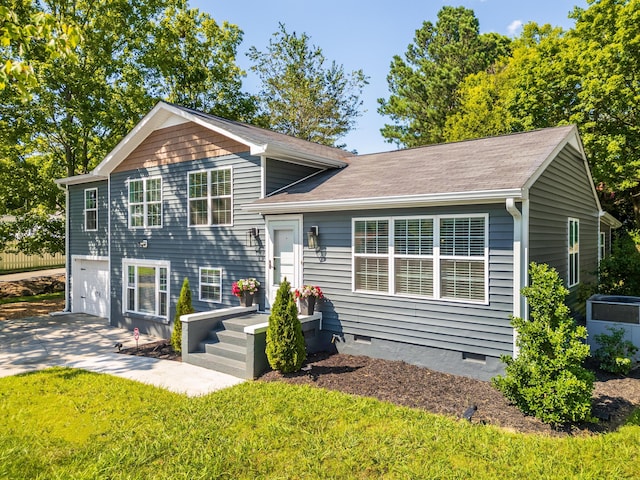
161	349
417	387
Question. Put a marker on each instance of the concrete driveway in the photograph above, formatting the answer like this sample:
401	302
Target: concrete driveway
87	342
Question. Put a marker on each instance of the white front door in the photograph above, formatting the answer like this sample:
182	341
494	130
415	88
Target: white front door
284	254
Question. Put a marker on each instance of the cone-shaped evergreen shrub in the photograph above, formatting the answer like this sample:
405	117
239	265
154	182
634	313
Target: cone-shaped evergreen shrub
547	378
285	342
184	307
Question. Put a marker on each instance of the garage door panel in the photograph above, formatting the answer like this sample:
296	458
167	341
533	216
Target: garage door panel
90	287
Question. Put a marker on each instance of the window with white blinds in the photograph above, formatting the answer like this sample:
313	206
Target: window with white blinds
462	258
432	257
371	255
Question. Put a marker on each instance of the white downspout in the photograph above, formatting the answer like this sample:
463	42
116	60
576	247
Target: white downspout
517	262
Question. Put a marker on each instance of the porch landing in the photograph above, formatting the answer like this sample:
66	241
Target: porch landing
233	340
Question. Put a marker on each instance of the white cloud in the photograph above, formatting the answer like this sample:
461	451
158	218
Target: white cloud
514	27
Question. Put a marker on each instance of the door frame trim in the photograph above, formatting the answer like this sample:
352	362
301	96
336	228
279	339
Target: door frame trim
298	247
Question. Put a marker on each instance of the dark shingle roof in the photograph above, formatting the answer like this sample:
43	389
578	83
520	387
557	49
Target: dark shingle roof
488	164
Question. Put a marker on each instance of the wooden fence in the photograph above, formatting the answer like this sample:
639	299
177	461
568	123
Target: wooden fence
13	262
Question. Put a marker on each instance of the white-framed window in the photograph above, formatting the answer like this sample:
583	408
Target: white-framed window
439	257
91	209
211	197
210	284
145	202
603	245
146	287
574	252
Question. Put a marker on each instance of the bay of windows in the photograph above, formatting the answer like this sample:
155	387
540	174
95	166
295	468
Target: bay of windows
145	203
432	257
210	197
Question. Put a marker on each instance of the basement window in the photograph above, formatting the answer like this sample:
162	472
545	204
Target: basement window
474	357
362	339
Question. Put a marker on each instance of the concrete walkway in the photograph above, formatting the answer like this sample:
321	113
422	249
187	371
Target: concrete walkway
87	342
14	277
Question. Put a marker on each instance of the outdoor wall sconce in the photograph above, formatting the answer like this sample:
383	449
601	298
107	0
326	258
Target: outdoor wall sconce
143	243
312	236
253	235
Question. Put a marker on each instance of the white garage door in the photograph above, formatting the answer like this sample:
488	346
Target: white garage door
90	286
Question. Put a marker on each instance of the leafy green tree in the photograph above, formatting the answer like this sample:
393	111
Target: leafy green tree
424	83
546	378
21	26
130	55
535	87
607	52
191	62
184	307
285	343
301	94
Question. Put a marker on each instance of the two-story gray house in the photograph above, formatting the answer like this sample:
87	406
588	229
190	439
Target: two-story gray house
421	253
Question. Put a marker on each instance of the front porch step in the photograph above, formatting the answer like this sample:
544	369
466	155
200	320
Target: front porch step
227	350
230	337
239	323
219	364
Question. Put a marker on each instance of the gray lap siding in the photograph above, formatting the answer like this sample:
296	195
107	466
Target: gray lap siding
564	191
465	327
186	248
82	242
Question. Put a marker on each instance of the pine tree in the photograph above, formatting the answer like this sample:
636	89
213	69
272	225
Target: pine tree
285	343
184	307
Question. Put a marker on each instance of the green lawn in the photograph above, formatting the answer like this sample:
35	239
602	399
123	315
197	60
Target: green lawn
32	298
64	423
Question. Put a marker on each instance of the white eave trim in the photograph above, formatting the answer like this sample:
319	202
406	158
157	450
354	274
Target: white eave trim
372	203
610	220
79	179
293	156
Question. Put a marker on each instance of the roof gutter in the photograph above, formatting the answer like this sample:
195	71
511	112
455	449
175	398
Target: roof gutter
368	203
296	156
79	179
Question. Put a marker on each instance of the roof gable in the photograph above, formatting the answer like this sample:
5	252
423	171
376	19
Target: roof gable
179	142
258	141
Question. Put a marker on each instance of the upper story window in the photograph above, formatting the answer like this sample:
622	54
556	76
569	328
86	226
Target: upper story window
91	209
210	197
574	252
145	203
432	257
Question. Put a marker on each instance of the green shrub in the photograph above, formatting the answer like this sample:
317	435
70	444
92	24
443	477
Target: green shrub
615	354
285	343
546	379
619	273
184	307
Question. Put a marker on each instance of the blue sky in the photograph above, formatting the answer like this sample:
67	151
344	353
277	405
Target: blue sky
368	34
